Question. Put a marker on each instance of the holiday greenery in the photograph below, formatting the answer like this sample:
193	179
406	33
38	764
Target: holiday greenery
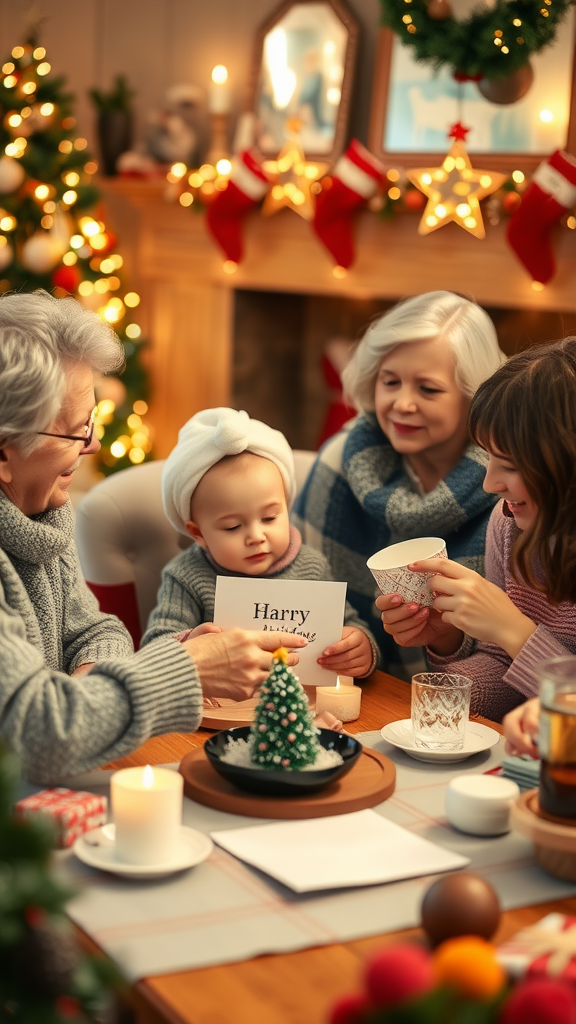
493	42
282	736
44	976
52	237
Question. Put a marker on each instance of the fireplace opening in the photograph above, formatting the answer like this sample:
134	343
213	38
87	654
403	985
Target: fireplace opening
280	338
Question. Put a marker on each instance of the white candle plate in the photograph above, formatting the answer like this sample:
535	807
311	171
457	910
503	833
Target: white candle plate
97	849
478	738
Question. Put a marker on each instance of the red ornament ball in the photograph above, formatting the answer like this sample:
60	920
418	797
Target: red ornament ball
511	201
540	1001
460	904
414	200
351	1009
67	278
399	973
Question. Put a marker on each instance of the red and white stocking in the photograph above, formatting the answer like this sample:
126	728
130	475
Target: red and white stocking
550	194
246	187
355	179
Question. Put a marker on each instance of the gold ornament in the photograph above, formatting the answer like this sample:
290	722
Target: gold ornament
454	191
294	177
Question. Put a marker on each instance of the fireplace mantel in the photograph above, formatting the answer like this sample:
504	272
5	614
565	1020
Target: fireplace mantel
187	307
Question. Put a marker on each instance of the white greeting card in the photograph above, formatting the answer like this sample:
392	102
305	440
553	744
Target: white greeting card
310	608
360	848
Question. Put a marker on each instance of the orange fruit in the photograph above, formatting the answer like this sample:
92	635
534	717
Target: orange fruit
469	965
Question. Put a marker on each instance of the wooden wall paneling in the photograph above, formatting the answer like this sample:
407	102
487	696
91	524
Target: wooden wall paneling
191	355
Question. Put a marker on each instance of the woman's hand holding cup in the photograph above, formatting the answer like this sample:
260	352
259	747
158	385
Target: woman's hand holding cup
414	626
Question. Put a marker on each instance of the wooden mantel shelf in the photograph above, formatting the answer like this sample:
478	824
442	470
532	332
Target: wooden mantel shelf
188	298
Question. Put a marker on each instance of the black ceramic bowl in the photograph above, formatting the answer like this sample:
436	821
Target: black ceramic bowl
272	783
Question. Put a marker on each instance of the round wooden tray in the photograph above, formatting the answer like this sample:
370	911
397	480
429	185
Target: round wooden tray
230	714
554	844
369	782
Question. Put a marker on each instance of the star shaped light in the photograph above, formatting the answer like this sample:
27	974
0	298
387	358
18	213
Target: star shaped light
455	189
294	178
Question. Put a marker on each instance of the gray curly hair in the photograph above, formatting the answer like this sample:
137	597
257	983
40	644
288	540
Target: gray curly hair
39	335
461	322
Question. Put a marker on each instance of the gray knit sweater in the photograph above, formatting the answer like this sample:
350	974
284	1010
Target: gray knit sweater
50	624
186	595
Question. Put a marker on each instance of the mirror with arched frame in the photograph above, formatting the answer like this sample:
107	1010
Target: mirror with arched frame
303	71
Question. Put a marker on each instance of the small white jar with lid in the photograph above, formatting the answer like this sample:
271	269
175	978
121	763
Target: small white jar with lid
480	804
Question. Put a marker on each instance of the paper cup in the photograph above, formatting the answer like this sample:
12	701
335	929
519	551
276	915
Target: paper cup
389	568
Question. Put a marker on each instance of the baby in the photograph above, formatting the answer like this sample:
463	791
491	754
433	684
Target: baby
228	483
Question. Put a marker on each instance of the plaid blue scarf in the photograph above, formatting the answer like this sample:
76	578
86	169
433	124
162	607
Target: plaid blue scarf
359	498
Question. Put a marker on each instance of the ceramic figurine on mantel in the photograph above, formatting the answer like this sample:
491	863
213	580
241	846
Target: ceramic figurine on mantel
171	134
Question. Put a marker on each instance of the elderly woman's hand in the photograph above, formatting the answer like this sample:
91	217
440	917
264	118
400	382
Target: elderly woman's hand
521	728
414	626
235	662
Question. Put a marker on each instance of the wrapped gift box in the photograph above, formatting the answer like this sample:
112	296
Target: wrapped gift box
546	949
71	812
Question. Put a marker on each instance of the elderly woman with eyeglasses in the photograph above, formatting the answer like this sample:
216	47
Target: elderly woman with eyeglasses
73	694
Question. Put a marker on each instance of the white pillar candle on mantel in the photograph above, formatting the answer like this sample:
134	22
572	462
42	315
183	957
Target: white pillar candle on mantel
219	96
341	700
147	813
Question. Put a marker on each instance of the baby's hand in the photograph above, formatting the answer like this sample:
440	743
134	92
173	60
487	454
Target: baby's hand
351	656
328	721
201	630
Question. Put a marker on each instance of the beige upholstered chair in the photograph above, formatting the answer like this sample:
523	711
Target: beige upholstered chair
124	540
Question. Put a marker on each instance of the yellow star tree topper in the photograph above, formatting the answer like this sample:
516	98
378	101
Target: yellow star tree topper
294	178
455	189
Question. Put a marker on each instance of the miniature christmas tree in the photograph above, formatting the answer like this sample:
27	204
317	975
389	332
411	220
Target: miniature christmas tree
53	236
282	735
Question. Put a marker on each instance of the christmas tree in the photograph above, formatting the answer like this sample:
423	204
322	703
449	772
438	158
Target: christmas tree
282	735
44	977
51	238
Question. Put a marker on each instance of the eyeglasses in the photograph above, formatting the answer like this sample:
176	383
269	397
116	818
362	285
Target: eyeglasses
86	438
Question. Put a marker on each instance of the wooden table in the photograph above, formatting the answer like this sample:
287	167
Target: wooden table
292	988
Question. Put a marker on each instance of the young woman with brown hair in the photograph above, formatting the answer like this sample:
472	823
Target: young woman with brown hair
524	416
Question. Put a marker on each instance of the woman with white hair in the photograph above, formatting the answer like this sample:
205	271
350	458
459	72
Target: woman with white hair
73	694
405	467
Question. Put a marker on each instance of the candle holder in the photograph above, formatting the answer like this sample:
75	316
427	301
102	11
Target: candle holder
218	138
342	701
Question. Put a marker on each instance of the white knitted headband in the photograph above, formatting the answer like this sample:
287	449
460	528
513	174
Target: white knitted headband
206	439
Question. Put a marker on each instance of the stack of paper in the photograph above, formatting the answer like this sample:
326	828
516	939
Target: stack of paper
361	848
523	769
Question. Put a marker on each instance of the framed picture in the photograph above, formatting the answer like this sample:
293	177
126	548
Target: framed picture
413	109
303	69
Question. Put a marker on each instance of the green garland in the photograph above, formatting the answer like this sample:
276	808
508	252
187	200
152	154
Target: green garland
492	43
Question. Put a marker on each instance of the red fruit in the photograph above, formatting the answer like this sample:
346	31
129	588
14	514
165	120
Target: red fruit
399	973
67	278
540	1001
350	1009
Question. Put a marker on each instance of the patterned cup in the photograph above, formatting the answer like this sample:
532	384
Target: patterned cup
440	710
389	568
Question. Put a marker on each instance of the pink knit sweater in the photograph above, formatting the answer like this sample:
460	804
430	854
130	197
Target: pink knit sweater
501	683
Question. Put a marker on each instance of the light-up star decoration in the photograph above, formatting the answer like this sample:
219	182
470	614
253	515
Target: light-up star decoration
294	177
455	189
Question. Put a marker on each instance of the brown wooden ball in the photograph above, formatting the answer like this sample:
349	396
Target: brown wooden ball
460	904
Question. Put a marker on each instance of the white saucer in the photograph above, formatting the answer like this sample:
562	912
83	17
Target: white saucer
97	848
478	738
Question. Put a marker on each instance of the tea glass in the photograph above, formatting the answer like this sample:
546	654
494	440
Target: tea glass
557	737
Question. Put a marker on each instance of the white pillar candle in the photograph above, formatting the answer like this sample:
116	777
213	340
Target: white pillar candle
219	97
147	813
341	701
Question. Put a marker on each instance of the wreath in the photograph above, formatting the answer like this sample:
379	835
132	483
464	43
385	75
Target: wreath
491	43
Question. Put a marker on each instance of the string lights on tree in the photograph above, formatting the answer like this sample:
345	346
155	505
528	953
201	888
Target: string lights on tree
51	238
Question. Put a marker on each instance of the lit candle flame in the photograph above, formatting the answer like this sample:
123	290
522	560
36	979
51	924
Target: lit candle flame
148	777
